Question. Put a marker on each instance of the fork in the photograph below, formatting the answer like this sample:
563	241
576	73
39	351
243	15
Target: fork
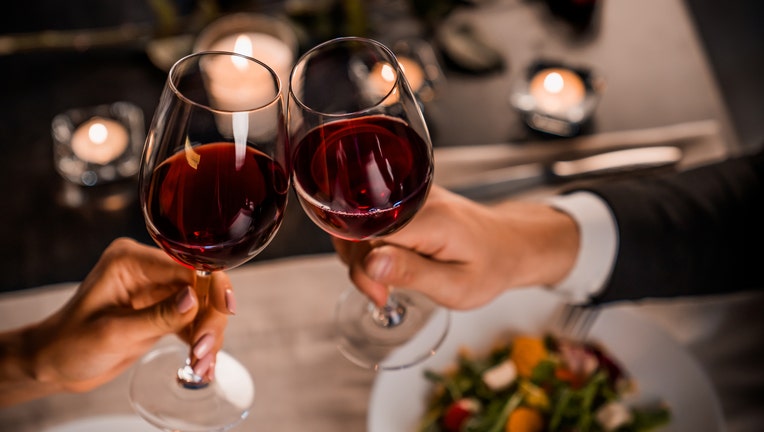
575	321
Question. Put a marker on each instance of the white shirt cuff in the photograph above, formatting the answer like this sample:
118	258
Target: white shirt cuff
599	245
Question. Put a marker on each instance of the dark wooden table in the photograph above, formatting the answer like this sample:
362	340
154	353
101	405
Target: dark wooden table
655	65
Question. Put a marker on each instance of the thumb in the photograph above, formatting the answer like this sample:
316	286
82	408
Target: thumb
168	316
399	267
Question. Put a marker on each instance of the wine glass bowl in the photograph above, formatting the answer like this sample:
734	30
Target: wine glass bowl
362	178
362	156
362	165
214	182
212	215
214	179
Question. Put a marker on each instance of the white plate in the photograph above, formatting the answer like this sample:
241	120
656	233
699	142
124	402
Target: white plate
660	366
109	423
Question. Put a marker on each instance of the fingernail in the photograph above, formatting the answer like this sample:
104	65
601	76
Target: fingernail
202	365
184	301
230	302
203	346
379	266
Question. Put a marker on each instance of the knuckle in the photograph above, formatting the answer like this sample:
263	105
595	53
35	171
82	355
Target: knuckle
162	317
120	246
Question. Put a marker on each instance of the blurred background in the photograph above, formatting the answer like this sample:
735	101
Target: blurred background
659	63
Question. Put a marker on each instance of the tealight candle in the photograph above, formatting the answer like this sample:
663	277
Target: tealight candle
268	38
556	90
264	47
98	144
382	76
235	83
413	72
99	140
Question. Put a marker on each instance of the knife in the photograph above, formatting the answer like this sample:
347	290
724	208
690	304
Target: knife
501	182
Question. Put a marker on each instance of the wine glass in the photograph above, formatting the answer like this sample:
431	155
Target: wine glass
362	165
214	183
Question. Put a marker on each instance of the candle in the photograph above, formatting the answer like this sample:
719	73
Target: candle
240	86
413	72
274	52
237	84
99	140
556	90
382	76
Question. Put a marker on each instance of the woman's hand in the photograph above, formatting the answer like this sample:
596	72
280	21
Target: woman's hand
463	254
134	296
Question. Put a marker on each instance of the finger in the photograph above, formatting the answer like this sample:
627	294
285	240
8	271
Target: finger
150	294
351	252
343	248
221	294
208	335
377	292
207	340
393	266
427	232
353	255
136	274
149	263
168	316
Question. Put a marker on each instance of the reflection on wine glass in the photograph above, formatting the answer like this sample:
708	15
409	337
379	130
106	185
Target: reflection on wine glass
213	185
362	167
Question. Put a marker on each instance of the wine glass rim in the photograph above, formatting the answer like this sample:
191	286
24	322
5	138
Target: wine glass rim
171	83
344	39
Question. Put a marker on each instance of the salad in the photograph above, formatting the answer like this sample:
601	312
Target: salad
534	384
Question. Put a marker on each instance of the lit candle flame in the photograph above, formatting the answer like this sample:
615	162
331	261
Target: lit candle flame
243	45
98	133
553	83
388	73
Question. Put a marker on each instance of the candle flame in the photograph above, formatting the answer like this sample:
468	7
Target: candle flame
98	133
388	73
553	83
243	45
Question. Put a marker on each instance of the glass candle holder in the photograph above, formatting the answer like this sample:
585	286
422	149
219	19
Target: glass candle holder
421	67
99	144
556	98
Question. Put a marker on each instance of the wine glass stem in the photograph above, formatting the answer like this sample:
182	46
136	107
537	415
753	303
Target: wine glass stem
391	314
186	375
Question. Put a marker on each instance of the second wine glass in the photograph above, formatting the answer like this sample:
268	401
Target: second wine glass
213	185
362	167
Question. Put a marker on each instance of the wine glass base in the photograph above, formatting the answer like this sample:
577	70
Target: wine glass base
367	343
158	397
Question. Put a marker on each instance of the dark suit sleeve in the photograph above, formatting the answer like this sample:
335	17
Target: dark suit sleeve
695	232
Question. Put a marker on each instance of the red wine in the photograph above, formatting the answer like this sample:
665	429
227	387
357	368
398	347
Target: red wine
212	209
363	177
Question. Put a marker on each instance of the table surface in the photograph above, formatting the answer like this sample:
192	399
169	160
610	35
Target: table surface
283	333
656	70
658	79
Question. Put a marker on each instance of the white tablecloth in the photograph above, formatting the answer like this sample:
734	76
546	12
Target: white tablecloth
283	334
